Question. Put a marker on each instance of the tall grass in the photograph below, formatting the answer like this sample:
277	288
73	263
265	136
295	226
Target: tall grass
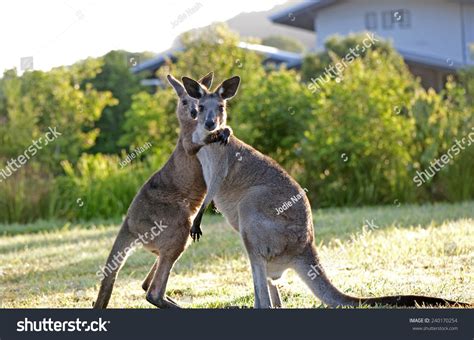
98	187
24	196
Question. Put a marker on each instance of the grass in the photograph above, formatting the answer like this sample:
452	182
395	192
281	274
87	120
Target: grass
412	249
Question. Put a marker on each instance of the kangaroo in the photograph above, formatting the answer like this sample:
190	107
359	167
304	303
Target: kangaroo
247	187
161	214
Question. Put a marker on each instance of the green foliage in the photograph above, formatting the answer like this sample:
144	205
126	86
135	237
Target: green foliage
337	48
98	187
215	49
39	100
151	118
357	148
25	196
115	76
29	106
18	119
272	113
284	43
449	126
357	140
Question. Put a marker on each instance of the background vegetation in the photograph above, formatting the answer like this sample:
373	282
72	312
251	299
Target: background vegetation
358	141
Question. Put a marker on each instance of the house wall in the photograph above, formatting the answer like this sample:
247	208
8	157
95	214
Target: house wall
435	28
468	11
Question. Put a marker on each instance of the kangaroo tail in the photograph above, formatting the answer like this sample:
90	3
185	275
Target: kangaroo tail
311	272
117	257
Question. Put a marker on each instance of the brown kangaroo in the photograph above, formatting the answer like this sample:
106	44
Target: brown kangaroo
247	187
161	214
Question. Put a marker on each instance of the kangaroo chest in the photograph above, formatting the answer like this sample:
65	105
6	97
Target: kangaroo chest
215	167
211	162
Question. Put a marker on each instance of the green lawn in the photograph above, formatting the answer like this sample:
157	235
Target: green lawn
413	249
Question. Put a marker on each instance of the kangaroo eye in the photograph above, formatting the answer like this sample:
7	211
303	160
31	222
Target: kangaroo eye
221	108
185	102
201	108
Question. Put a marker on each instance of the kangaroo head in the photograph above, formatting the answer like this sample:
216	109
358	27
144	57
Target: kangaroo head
212	113
187	108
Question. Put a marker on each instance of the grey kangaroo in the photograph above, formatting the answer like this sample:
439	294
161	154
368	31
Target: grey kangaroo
163	209
246	187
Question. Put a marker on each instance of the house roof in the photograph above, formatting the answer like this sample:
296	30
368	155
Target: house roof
272	54
434	62
155	63
301	15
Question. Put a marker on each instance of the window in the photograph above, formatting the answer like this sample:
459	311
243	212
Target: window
387	19
371	20
402	17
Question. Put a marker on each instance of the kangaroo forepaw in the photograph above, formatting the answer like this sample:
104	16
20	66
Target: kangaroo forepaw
224	136
195	233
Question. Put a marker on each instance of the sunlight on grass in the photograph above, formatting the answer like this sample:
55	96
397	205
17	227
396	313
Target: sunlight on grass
418	250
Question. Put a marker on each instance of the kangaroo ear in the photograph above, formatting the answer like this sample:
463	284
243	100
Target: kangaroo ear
178	87
228	88
193	88
207	80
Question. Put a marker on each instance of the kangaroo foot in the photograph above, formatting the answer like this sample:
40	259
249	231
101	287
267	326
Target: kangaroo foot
162	302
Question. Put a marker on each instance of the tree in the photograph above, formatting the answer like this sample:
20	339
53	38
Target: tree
37	101
337	47
152	118
115	76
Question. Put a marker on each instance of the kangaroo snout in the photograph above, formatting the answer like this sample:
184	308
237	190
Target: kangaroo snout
210	125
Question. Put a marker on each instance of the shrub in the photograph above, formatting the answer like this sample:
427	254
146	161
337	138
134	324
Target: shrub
98	187
25	195
271	114
357	148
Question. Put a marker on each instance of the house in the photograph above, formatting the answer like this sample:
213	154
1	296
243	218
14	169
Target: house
435	37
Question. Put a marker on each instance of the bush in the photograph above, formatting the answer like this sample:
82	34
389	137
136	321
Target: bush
152	118
337	47
25	196
98	187
357	148
447	120
272	114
